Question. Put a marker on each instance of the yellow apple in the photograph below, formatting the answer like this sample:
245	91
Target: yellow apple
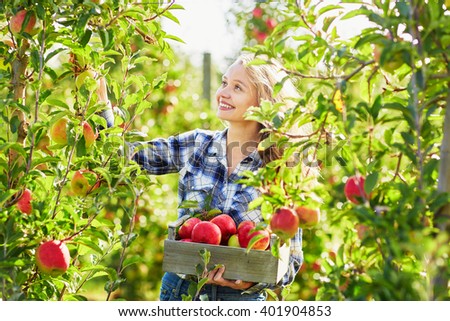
83	182
58	132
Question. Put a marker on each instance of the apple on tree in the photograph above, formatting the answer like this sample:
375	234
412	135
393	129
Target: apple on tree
206	232
24	202
58	131
227	226
257	12
284	223
18	23
53	257
185	230
354	190
83	182
89	135
387	55
43	144
307	217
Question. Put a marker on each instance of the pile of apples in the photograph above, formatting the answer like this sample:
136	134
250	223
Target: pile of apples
222	230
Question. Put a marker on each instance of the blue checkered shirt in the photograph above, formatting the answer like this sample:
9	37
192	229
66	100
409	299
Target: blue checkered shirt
199	156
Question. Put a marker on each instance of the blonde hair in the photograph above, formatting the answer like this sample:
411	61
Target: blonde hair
264	76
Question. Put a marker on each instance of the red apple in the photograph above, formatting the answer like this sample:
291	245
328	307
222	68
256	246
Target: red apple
260	36
246	231
53	258
271	23
284	223
58	131
227	226
185	230
257	12
234	241
84	181
307	217
362	231
354	189
17	21
206	232
24	203
89	135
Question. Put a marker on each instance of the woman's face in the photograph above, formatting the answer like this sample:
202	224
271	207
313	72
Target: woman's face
236	94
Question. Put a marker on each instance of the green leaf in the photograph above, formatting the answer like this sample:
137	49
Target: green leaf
91	245
132	260
370	182
357	12
111	286
254	240
56	102
127	239
329	8
172	37
159	81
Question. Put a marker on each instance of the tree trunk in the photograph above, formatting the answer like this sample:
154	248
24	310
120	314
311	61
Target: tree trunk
442	217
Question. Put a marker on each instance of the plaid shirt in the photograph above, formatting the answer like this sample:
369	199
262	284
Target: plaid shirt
199	157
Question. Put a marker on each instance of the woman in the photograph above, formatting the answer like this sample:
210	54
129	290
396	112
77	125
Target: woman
210	162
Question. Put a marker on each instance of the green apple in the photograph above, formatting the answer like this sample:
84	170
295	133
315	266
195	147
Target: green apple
234	241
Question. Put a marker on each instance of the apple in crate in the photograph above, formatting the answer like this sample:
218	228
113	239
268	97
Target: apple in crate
246	231
185	230
233	241
206	232
227	226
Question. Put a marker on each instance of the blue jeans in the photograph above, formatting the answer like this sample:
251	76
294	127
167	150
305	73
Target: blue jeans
173	287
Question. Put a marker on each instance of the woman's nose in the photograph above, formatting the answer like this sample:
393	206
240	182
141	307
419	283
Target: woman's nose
223	92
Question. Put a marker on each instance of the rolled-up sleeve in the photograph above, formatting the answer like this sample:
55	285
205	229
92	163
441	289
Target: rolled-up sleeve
164	156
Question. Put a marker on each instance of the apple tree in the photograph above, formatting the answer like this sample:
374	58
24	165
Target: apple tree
378	104
63	178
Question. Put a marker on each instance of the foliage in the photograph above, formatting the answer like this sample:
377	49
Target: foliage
112	230
376	101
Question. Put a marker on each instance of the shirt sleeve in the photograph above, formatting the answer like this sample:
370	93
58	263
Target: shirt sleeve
164	156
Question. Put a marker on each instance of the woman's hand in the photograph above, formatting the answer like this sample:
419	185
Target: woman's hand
216	277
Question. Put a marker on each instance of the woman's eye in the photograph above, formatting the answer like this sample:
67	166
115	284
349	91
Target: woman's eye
224	83
237	87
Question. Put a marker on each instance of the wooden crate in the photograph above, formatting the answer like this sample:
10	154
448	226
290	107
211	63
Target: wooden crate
253	266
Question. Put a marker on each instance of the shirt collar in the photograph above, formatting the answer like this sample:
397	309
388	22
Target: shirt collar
218	149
